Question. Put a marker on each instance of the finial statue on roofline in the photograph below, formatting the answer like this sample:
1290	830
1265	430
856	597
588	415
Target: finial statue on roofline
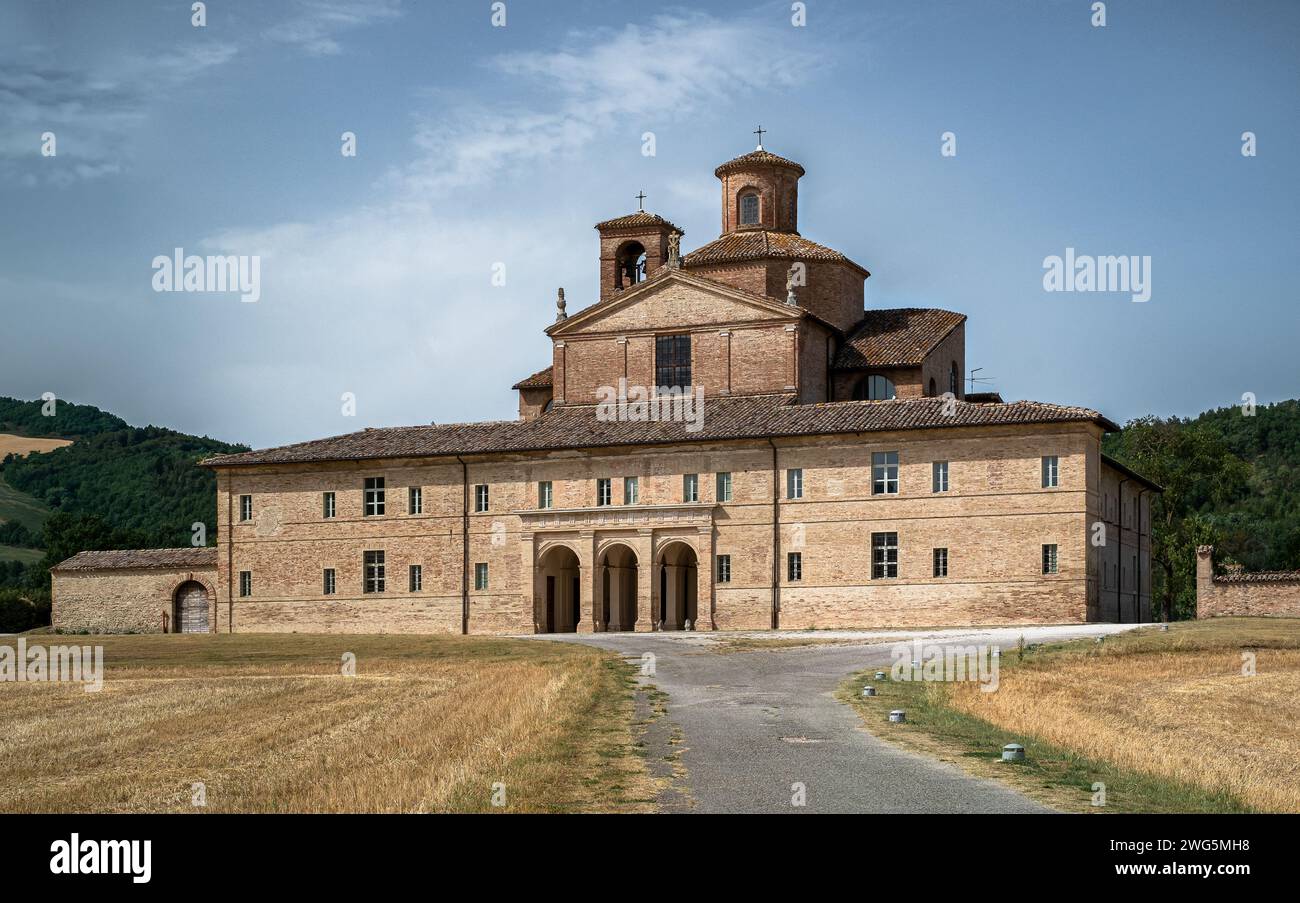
560	314
674	250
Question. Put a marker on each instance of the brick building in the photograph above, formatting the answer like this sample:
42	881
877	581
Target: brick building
724	439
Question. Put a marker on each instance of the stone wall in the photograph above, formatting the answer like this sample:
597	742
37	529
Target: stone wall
124	600
1270	594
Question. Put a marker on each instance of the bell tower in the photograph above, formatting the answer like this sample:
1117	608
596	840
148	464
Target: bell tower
760	191
632	249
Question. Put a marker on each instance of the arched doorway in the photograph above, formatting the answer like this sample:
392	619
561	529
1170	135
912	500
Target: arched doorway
558	600
190	608
618	608
677	587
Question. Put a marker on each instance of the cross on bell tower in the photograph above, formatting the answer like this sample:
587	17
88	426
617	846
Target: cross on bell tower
760	131
640	201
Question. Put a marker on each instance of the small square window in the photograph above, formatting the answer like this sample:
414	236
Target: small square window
691	487
328	508
545	498
245	583
794	483
331	583
481	575
604	492
415	500
884	473
941	562
794	566
1049	559
939	482
1051	472
724	568
417	578
724	487
631	491
245	508
481	497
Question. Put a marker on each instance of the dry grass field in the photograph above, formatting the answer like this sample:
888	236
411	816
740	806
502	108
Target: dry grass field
22	445
1173	704
1166	720
269	724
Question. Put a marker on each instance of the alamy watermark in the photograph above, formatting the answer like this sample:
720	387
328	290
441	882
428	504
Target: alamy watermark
53	664
638	404
215	273
1085	273
943	662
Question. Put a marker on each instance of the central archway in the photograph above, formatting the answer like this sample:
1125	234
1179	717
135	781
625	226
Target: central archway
558	602
190	608
618	602
677	587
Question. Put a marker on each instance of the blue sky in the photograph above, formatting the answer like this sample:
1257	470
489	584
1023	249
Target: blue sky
478	145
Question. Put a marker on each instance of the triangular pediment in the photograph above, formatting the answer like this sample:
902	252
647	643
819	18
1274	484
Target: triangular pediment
673	300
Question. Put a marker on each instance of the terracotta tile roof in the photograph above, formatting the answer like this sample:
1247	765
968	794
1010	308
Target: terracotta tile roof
901	337
539	380
640	218
984	397
762	244
738	417
756	158
140	558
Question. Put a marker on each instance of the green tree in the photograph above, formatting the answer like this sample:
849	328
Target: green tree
1200	475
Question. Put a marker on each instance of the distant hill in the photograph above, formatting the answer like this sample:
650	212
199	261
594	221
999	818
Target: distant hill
115	486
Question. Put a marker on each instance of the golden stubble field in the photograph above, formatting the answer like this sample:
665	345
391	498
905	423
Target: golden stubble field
22	445
1174	704
270	724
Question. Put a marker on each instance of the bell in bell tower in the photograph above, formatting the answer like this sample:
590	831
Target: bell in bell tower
633	248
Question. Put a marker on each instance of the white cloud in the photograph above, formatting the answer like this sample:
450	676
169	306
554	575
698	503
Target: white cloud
314	26
678	66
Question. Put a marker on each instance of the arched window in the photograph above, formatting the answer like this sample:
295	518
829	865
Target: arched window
954	380
749	209
874	388
629	265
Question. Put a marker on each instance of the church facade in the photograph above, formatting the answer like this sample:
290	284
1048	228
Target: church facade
724	439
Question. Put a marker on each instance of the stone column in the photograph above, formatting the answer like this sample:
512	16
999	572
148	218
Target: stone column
646	587
673	613
589	583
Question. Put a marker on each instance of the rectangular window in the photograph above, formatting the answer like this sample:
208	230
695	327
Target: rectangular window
604	492
481	497
941	562
1051	472
481	575
794	483
331	583
724	487
373	572
631	491
245	583
245	508
794	566
940	477
884	473
884	555
691	487
417	578
1049	559
545	498
328	508
724	568
374	496
415	500
672	361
